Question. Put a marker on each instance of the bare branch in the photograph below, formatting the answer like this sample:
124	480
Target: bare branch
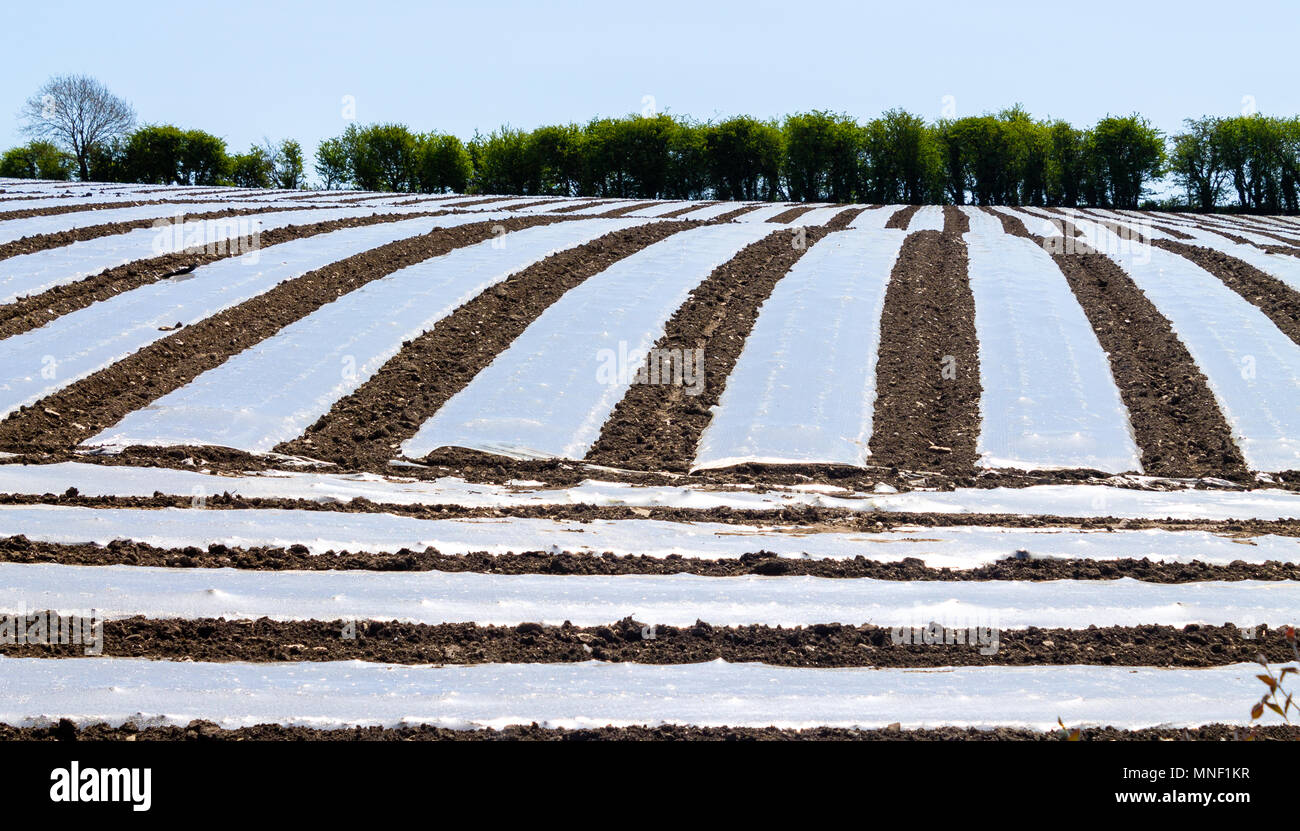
77	112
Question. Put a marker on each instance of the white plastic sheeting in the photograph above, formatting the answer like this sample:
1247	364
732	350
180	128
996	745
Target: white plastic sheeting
68	348
928	218
32	273
1048	398
548	394
764	213
596	694
1253	369
1055	500
711	211
960	547
798	397
436	597
12	229
874	219
275	389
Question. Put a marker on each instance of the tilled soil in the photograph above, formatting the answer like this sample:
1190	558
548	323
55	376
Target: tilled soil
829	644
470	203
99	401
627	209
730	215
686	210
570	208
927	378
28	213
658	426
841	220
36	310
1177	424
364	428
200	731
903	217
42	242
791	215
764	563
1276	299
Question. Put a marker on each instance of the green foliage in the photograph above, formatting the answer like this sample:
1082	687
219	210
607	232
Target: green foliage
254	169
1126	152
554	158
903	160
442	164
37	160
163	154
503	163
1007	158
742	157
288	166
332	163
821	152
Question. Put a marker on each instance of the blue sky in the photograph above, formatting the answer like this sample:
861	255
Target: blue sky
252	70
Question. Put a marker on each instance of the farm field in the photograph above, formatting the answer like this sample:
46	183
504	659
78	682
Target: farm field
325	460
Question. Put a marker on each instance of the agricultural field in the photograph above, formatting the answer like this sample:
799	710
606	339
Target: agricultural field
339	460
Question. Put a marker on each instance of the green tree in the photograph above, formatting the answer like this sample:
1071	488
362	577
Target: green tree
152	155
821	152
203	159
37	160
332	164
1196	160
554	157
1067	164
902	160
289	165
254	169
443	164
503	163
742	159
1126	153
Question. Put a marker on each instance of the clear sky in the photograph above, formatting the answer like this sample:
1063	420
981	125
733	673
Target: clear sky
252	70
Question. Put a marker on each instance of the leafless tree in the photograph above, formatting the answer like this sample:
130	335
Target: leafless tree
78	112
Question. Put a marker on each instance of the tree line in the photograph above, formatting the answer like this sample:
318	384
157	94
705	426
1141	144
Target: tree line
1004	158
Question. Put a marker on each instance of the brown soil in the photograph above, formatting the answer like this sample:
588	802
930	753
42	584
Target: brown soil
693	207
99	401
570	208
472	202
363	428
790	215
203	731
36	310
627	209
1273	297
841	220
72	207
902	217
927	414
42	242
730	215
531	204
298	558
1288	244
821	645
1176	421
658	426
